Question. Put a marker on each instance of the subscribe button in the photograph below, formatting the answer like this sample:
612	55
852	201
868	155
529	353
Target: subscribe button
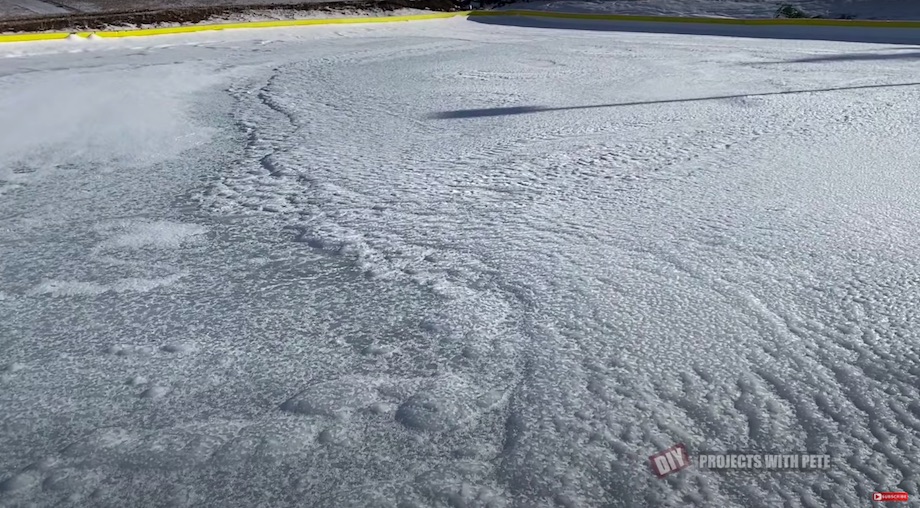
887	497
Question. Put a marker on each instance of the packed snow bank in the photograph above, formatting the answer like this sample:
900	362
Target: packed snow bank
165	18
257	16
282	15
271	18
856	9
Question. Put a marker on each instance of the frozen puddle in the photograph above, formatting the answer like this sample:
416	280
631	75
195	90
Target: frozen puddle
453	264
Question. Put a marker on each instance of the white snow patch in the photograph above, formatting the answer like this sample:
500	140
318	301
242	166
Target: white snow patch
89	288
13	367
150	124
258	15
23	481
288	14
154	392
130	350
178	348
158	234
69	288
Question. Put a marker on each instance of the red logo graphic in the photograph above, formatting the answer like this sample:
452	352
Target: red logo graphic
888	497
669	461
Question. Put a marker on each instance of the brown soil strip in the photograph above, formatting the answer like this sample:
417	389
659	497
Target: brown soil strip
99	21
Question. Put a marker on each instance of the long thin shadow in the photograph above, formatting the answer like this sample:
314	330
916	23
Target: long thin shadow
857	57
522	110
824	33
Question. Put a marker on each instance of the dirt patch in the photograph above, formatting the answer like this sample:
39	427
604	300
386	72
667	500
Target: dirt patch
99	21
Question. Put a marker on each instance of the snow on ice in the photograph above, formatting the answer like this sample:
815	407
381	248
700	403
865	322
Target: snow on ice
455	264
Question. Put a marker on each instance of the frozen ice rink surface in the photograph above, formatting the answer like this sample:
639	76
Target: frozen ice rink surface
454	264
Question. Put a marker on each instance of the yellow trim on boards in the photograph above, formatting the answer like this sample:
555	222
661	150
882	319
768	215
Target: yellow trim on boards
143	32
29	37
275	24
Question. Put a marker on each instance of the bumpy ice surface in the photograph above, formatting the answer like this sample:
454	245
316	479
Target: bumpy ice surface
455	264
